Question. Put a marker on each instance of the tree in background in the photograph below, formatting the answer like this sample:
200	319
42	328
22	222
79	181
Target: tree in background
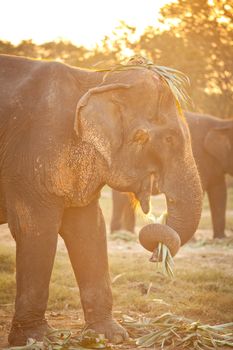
199	42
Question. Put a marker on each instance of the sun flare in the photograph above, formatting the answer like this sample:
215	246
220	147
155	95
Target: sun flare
83	23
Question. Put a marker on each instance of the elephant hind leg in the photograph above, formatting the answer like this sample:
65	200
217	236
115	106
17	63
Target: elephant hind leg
129	216
119	203
217	195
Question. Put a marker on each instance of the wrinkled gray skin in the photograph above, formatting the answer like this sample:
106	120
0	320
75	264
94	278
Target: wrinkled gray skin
212	144
64	133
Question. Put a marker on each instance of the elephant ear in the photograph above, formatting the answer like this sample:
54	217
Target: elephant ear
217	143
98	119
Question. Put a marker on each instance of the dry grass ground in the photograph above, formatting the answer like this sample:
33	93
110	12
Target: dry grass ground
202	288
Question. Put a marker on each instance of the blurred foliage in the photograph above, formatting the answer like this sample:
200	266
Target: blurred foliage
196	38
199	42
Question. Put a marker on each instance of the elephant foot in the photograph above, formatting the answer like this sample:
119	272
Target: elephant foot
111	329
19	334
219	235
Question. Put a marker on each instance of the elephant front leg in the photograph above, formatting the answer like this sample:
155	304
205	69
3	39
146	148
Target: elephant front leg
217	195
83	230
35	231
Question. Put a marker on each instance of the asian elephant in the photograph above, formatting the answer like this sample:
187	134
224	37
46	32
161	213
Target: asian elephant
65	133
212	144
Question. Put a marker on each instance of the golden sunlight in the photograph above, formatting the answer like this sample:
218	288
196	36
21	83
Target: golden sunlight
82	22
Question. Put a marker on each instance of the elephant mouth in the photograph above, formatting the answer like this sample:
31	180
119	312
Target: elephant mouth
144	193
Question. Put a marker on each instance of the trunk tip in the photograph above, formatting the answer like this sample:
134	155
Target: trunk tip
153	234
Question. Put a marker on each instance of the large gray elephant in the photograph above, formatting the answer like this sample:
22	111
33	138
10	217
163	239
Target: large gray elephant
212	144
66	132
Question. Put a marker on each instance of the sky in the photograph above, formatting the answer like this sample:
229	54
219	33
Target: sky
83	22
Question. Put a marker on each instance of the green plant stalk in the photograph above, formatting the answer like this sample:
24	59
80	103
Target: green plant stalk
167	264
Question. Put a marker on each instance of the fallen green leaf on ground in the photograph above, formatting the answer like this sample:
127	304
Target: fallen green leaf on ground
65	340
167	332
170	331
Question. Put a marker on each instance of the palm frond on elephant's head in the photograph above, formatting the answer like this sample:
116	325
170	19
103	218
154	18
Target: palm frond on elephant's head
175	79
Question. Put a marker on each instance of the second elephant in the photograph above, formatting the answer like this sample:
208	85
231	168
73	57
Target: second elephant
212	143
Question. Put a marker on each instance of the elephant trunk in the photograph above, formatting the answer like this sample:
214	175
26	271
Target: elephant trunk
184	202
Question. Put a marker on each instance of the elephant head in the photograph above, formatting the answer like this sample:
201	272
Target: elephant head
133	121
219	144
